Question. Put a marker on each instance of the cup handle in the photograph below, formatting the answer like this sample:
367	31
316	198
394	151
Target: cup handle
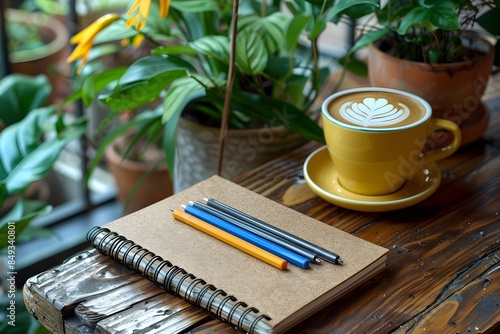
440	152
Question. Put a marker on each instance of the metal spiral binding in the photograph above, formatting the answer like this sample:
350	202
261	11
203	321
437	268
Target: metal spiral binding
113	244
220	308
150	264
211	301
191	287
202	293
233	309
181	281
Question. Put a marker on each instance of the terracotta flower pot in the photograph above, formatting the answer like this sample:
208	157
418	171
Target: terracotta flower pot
198	146
128	173
48	59
454	90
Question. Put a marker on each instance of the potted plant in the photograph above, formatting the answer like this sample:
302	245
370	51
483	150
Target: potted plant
276	78
38	44
429	48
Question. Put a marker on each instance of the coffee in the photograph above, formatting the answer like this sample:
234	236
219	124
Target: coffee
376	110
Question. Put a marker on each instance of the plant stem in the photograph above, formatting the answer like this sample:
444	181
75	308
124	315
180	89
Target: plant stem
229	88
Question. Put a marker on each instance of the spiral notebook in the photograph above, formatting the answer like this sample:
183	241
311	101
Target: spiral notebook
229	284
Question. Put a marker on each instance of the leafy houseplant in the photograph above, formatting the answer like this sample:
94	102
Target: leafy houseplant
429	48
276	78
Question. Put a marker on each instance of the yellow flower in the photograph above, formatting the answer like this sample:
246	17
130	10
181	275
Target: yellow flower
136	41
142	8
85	39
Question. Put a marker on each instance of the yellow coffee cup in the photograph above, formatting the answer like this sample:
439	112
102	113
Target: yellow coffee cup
379	138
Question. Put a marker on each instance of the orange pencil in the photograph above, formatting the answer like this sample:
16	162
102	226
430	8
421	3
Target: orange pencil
230	239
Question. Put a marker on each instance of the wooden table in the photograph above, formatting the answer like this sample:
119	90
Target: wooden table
442	276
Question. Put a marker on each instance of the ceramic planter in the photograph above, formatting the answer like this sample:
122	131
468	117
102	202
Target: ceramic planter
128	173
48	59
197	150
453	90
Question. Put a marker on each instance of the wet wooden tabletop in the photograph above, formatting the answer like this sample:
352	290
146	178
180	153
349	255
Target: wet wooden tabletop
442	275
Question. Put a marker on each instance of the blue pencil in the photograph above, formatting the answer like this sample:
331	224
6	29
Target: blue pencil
277	250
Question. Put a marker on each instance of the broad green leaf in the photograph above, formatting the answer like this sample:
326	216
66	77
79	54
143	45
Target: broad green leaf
343	5
144	80
489	21
19	94
174	50
368	38
354	66
23	158
295	29
99	81
318	28
251	54
276	112
271	28
183	89
169	143
216	47
417	17
195	6
21	215
444	16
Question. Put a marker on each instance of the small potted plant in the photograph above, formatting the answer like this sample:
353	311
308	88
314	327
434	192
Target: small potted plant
435	49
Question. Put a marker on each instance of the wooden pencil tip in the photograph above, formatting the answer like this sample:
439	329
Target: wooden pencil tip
191	202
183	206
205	199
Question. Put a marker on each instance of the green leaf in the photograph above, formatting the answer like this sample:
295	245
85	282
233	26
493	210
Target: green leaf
182	90
21	215
343	5
195	6
299	22
355	66
272	29
216	47
417	17
318	28
144	80
275	112
441	15
434	54
99	81
368	38
169	142
251	54
23	158
444	16
489	21
19	94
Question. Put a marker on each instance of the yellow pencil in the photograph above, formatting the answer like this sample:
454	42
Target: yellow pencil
230	239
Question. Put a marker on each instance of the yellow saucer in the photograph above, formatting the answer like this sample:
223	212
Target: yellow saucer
321	176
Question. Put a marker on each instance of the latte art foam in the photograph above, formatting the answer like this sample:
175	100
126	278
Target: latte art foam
374	112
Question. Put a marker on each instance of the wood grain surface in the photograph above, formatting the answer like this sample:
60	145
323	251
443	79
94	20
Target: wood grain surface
442	271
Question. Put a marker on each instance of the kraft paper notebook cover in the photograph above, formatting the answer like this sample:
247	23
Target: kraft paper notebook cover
222	279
